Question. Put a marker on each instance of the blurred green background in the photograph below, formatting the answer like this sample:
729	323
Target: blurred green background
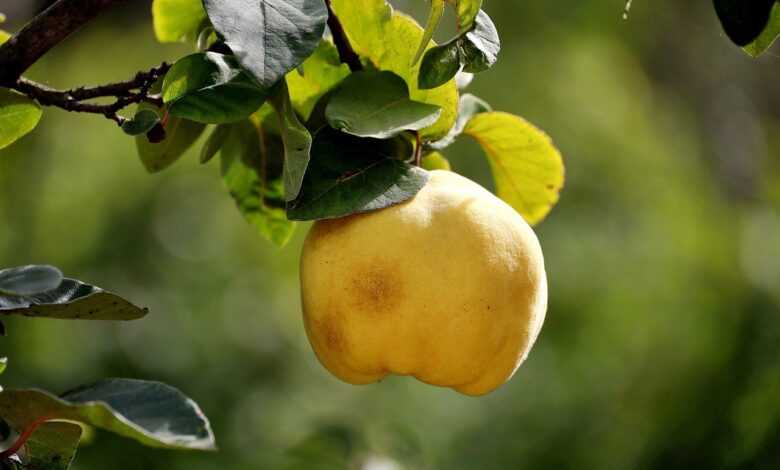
662	343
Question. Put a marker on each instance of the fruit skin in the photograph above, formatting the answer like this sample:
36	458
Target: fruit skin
448	287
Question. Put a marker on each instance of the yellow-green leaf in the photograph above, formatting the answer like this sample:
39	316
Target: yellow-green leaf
435	161
316	76
388	39
18	116
527	168
768	37
434	17
467	11
4	36
177	20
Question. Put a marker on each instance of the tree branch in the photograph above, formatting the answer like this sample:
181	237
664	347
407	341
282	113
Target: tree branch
44	32
346	53
73	100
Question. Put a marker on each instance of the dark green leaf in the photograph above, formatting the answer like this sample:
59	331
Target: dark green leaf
249	169
377	104
51	447
476	50
468	107
29	280
296	139
177	20
18	116
180	134
152	413
349	175
211	88
72	300
141	123
743	20
269	37
214	143
318	74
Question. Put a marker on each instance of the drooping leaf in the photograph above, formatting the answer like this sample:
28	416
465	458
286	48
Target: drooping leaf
177	20
141	123
180	134
469	107
72	300
29	280
315	77
765	40
51	447
474	51
296	139
18	116
434	18
211	88
743	20
248	169
388	40
467	10
350	175
214	142
435	161
377	104
269	37
152	413
527	168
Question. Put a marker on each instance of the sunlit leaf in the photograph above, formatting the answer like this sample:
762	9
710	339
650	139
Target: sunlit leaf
250	174
315	77
744	20
211	88
466	10
177	20
765	40
296	139
388	40
141	123
29	280
18	116
469	107
435	161
72	300
4	36
269	37
434	18
527	168
377	104
350	175
152	413
3	364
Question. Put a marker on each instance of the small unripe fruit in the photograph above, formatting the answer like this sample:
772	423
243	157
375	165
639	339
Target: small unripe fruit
448	287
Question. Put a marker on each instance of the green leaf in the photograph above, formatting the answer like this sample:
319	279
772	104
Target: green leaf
476	50
72	300
152	413
315	77
18	116
248	158
377	104
269	37
527	168
434	18
435	161
180	134
178	20
467	11
141	123
29	280
4	36
388	40
51	447
765	40
214	143
3	364
211	88
350	175
743	20
469	107
296	139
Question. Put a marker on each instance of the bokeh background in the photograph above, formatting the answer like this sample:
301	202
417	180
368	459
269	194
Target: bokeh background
662	343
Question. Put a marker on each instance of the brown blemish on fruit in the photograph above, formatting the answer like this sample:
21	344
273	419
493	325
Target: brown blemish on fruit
377	287
332	334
